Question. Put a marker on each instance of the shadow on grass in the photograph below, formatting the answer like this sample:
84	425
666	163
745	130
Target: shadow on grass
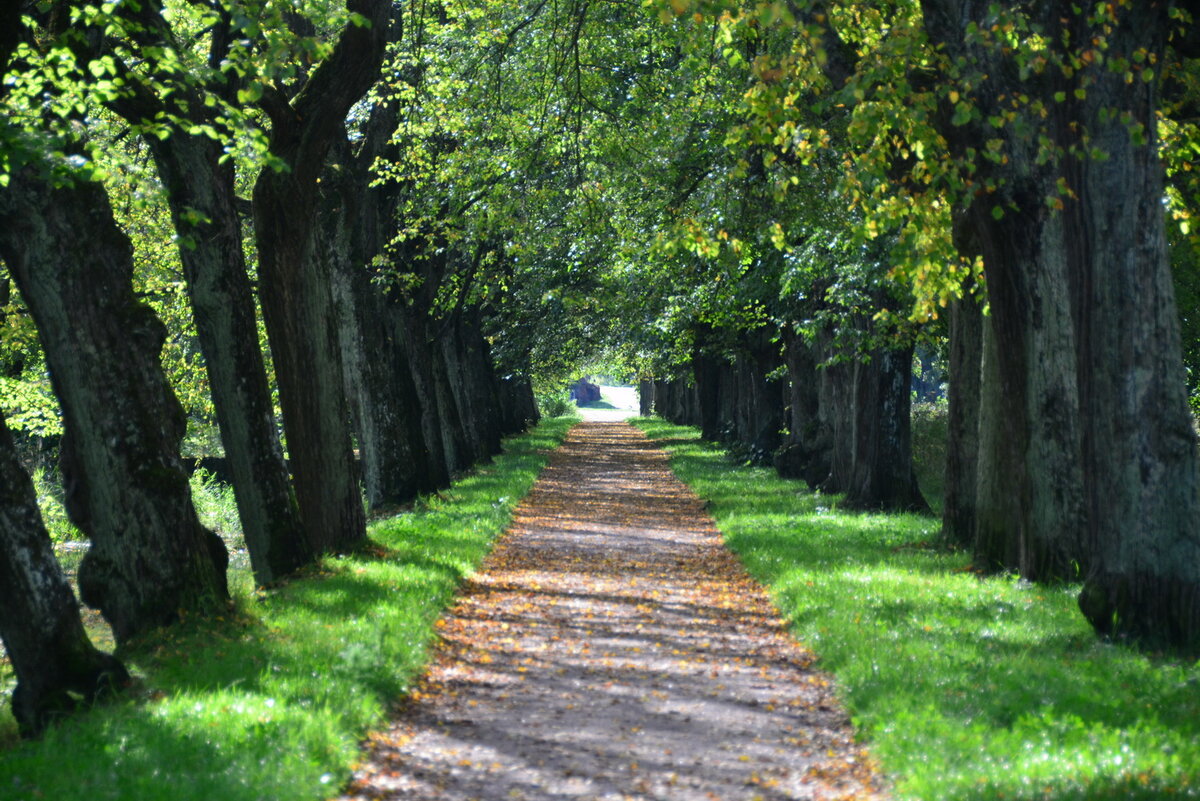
968	688
270	701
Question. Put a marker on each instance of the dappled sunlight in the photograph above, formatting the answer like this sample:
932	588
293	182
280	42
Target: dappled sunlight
612	647
967	686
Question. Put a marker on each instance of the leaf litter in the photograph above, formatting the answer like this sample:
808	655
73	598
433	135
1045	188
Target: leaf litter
611	647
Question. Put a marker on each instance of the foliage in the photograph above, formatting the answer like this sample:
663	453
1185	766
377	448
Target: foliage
54	514
270	701
930	431
965	687
555	401
215	503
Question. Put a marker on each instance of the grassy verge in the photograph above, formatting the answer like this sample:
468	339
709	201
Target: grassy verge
966	688
271	701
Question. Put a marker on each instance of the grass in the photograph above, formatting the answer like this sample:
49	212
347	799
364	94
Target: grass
965	687
272	700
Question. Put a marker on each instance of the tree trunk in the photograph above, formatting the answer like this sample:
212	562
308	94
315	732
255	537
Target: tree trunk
39	617
298	308
127	490
806	451
962	439
1086	328
646	397
379	383
219	290
296	297
411	328
882	476
201	195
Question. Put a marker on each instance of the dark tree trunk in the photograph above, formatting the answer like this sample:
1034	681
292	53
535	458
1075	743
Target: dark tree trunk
126	487
707	372
200	191
962	440
1086	328
219	290
518	403
806	451
836	396
420	353
296	296
882	476
646	397
454	435
298	309
1000	483
39	617
379	382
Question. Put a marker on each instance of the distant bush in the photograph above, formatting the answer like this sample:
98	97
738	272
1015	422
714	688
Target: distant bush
930	429
556	403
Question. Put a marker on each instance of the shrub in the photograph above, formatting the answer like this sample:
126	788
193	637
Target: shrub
930	430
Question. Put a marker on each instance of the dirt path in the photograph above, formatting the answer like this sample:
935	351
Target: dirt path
611	648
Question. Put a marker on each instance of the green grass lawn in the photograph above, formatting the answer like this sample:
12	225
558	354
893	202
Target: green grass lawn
271	701
965	688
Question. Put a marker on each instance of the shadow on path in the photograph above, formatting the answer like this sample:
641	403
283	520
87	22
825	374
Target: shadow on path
612	648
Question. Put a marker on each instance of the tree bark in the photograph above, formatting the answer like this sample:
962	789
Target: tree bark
296	297
226	326
882	476
150	558
962	438
39	617
646	397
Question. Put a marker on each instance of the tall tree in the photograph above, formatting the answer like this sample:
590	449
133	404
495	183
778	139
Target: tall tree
150	558
296	294
182	101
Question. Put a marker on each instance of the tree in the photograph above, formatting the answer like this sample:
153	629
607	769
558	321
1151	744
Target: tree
39	617
180	104
1033	128
297	299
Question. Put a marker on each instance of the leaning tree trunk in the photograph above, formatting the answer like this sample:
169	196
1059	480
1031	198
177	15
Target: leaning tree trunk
199	180
295	291
1085	322
150	558
227	330
39	617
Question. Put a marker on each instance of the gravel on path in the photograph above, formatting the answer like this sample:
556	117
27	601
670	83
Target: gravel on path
612	648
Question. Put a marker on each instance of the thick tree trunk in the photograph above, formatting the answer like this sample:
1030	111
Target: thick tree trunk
298	308
126	487
518	404
646	397
806	451
454	435
379	383
296	296
882	476
203	205
39	617
999	538
962	439
1086	329
200	191
420	353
